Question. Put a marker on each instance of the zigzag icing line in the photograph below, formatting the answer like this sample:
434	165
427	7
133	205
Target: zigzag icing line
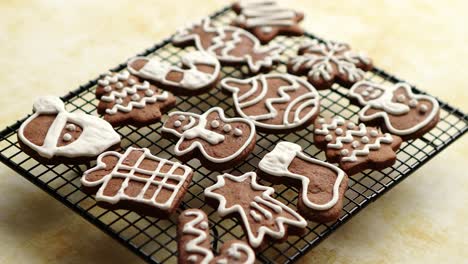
348	137
142	103
387	139
325	127
125	92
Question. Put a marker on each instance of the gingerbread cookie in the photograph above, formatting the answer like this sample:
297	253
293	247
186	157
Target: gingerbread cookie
328	63
355	147
53	136
139	181
198	73
125	100
396	108
259	213
231	45
194	244
221	142
276	103
266	19
321	185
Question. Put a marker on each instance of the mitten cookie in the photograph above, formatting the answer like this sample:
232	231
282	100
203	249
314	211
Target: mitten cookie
266	19
321	185
194	244
260	214
276	103
139	181
53	136
231	45
220	142
125	100
328	63
198	73
396	108
355	147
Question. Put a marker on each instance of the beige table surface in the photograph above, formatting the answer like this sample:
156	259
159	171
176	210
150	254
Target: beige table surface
52	46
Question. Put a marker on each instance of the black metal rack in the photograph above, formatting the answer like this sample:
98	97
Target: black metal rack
155	240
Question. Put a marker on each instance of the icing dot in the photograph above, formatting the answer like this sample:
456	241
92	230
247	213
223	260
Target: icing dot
328	138
70	127
369	89
119	101
131	81
135	97
149	92
339	131
177	123
344	152
113	80
215	124
67	137
321	121
413	103
131	92
374	133
204	225
340	122
267	29
365	140
423	109
119	85
103	82
365	93
401	98
351	125
107	89
227	128
237	132
181	118
355	144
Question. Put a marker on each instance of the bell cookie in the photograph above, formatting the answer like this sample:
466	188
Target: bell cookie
396	108
54	136
355	147
198	73
194	243
251	203
126	100
266	19
321	185
231	45
217	141
328	62
276	103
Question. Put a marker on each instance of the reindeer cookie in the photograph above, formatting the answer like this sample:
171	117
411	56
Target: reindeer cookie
138	181
221	142
266	19
194	243
328	63
260	214
198	73
396	108
125	100
355	147
321	185
53	136
231	45
276	103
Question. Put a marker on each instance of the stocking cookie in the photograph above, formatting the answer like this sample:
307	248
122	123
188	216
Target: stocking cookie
221	142
139	181
266	19
260	214
125	100
231	45
194	244
355	147
328	63
198	73
276	103
396	108
53	136
321	185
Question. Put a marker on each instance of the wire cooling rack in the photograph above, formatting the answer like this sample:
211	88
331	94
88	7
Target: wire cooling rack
154	239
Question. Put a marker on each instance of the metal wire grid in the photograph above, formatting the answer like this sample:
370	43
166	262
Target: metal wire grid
154	239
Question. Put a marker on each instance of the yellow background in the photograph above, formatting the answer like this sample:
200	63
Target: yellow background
52	46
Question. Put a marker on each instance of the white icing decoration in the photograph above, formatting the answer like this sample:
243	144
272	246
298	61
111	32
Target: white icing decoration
321	120
423	109
355	144
387	107
193	246
182	118
227	128
236	250
413	103
344	152
309	99
351	125
177	123
149	92
237	132
221	46
265	14
119	101
135	97
401	98
67	137
387	139
200	131
365	140
374	133
328	138
204	225
107	89
190	124
339	131
255	239
131	81
193	79
215	124
97	135
119	85
70	127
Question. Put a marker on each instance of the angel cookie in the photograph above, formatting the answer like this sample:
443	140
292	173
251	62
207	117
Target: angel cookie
355	147
220	142
126	100
260	214
328	62
266	19
53	136
199	72
321	185
194	242
276	103
231	45
138	181
396	108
